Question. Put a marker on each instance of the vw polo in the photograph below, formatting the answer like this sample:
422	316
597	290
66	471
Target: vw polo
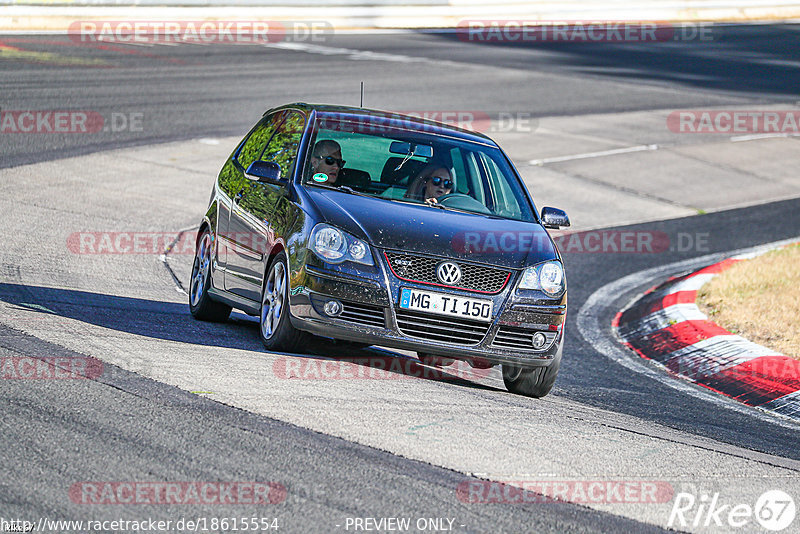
377	228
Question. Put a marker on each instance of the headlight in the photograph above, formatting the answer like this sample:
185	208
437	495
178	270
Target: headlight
335	246
551	278
329	244
547	277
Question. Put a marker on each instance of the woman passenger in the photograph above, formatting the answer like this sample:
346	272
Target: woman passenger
432	182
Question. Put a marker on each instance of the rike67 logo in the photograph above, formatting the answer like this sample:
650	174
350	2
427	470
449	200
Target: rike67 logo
774	510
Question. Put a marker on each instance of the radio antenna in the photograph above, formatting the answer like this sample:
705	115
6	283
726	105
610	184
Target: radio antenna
362	94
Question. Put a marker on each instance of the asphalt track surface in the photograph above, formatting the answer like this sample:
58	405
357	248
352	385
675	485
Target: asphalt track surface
192	91
127	427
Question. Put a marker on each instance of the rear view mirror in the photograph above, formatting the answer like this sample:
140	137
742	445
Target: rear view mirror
410	149
554	218
264	171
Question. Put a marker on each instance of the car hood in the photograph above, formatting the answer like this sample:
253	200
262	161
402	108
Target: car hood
427	230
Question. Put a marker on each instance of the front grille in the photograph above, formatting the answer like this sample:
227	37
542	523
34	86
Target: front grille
422	269
509	337
443	329
363	314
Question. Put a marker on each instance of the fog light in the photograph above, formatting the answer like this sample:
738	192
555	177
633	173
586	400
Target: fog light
333	308
539	340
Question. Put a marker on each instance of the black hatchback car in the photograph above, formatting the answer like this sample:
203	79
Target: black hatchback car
376	228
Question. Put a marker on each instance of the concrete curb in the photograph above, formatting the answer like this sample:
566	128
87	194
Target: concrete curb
665	326
58	18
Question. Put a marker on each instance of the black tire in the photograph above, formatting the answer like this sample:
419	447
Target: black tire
533	381
275	327
433	360
202	306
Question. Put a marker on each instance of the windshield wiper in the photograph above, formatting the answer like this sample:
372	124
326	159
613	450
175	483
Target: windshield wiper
460	210
345	188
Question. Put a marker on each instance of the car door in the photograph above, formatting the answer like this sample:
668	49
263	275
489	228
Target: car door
251	225
233	184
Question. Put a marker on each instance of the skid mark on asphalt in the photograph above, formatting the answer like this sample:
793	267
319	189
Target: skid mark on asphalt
412	430
351	53
37	307
368	55
8	51
12	53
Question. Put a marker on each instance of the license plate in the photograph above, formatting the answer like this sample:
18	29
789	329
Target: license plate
443	304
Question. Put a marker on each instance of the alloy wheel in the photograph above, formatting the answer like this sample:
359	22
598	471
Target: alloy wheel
273	300
200	269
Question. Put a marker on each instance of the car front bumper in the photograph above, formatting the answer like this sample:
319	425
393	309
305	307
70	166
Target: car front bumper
371	315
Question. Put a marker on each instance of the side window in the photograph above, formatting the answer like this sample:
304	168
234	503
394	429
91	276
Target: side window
505	204
259	138
282	149
475	178
459	172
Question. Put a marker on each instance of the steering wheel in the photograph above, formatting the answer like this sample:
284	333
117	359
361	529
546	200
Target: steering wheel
448	196
463	202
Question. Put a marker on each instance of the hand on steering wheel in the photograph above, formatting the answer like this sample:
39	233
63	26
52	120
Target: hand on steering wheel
450	195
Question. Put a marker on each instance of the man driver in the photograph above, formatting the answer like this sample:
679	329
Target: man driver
326	158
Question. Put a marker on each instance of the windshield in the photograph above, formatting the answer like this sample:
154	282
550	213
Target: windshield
414	166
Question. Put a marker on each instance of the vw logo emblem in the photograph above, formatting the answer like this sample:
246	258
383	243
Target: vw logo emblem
448	272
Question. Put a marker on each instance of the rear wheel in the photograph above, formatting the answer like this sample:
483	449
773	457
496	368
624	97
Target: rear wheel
276	330
533	381
200	303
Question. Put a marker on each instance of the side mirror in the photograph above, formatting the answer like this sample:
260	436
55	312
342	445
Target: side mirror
264	171
554	218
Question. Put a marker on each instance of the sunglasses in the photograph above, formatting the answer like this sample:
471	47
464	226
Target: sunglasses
447	183
330	160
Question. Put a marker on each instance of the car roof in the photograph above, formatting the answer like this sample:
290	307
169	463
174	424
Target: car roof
390	118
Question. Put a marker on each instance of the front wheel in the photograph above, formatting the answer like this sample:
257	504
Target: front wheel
532	382
200	303
277	331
